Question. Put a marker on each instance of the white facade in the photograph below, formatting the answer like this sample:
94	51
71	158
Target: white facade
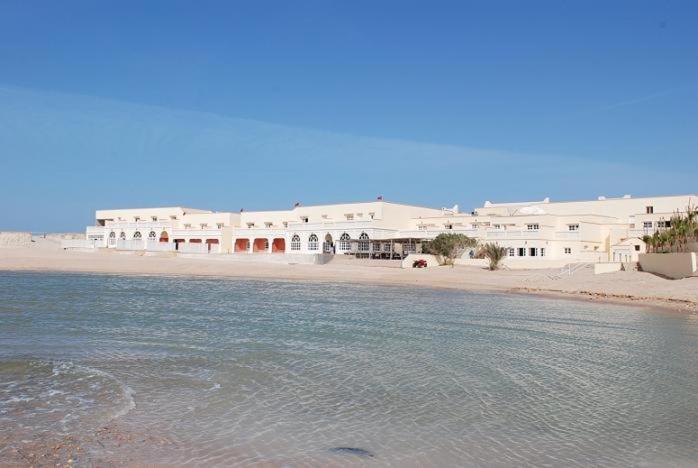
602	230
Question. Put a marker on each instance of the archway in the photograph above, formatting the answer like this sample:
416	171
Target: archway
278	245
260	245
242	245
212	245
164	237
178	243
328	246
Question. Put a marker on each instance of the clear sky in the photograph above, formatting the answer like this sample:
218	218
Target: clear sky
224	105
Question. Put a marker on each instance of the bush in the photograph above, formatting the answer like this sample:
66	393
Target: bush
448	247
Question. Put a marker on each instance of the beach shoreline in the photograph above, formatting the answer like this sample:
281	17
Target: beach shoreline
629	288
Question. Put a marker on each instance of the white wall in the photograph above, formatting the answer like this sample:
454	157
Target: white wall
671	265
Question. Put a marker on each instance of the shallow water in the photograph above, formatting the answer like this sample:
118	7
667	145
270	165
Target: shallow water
227	371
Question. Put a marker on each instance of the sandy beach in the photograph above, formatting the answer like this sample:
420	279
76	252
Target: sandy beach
630	287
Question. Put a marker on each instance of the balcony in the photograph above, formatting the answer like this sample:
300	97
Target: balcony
197	232
568	235
332	225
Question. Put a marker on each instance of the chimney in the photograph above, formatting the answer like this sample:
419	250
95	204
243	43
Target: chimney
380	198
297	204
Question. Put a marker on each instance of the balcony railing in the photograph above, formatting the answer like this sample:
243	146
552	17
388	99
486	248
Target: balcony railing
197	232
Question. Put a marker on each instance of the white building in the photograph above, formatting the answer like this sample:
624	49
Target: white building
537	233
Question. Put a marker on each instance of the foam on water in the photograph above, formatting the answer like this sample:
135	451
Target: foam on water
245	372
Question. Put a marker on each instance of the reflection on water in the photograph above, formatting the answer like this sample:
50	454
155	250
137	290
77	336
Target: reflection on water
251	372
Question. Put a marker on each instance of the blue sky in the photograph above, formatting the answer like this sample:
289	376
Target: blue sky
225	105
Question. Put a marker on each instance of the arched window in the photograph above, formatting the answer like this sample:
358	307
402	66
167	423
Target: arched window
137	235
363	242
296	242
344	242
112	235
122	235
152	235
313	242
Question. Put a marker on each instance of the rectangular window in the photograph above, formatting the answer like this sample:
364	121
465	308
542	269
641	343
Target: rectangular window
268	224
573	227
350	217
136	218
220	225
203	225
649	209
532	227
568	250
371	215
512	252
187	226
542	251
522	251
304	219
533	251
647	224
637	248
250	225
154	218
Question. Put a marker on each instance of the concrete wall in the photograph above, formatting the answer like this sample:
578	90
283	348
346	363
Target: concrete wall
671	265
15	239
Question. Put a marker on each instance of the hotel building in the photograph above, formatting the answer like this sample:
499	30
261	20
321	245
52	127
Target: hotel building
541	233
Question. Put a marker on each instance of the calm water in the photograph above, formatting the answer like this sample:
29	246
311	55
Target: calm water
229	371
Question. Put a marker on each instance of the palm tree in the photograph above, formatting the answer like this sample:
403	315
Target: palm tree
494	253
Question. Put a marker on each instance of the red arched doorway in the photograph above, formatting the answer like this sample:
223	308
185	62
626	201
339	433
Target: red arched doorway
212	245
278	245
260	245
164	237
242	245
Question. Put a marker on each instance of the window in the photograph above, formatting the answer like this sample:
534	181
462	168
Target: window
220	225
313	242
573	227
154	218
285	223
511	252
663	224
296	242
532	227
266	244
152	235
497	226
376	246
344	242
187	226
449	226
137	235
250	225
363	242
350	217
637	248
533	251
542	251
136	218
647	224
203	225
268	224
371	215
386	247
304	219
522	251
172	217
112	235
649	209
122	235
568	250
